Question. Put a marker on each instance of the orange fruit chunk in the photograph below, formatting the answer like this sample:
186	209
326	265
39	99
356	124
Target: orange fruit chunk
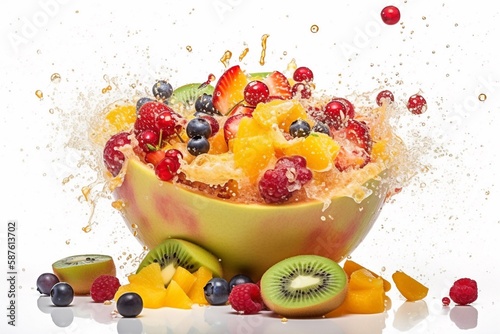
409	287
184	278
121	117
176	297
319	150
280	112
151	297
149	276
351	266
197	294
252	154
365	293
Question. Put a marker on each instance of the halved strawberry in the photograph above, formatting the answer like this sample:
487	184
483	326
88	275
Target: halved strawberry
241	109
356	145
228	91
279	86
231	125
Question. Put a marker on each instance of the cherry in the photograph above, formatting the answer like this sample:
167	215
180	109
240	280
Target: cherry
417	104
174	153
390	15
256	92
385	94
148	139
303	74
335	114
167	168
446	301
301	90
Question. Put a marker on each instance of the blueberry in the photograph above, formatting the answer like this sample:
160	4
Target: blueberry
239	279
205	105
300	128
61	294
217	291
198	127
162	90
129	305
321	127
141	102
198	145
45	282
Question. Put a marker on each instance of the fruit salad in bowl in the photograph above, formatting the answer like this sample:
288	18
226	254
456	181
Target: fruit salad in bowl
255	168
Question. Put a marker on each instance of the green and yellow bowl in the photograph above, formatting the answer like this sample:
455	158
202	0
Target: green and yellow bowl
247	238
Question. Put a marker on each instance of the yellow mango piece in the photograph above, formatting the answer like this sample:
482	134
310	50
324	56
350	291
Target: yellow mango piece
409	287
280	112
121	117
252	154
197	294
363	279
351	266
176	297
319	150
218	144
149	276
249	127
364	301
151	298
184	278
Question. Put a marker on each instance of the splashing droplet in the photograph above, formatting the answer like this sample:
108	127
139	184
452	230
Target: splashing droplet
39	94
482	97
55	78
314	28
264	48
226	57
189	48
243	54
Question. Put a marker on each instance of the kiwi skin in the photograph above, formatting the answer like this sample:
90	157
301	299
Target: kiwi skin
173	252
80	271
278	278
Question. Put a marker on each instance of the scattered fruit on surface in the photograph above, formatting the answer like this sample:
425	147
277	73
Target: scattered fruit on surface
217	291
62	294
104	288
304	286
129	305
351	266
246	298
409	287
365	293
239	279
464	291
445	301
176	297
173	253
80	271
197	293
45	282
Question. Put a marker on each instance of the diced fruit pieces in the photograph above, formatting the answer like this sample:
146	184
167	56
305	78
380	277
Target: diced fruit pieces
149	276
409	287
280	112
184	278
122	117
351	266
151	297
196	294
176	297
252	154
319	150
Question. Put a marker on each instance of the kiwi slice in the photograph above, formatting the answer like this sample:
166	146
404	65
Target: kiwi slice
80	271
186	95
304	286
173	253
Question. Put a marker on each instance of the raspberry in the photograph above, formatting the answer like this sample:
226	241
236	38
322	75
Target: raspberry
245	298
113	157
464	291
289	174
104	288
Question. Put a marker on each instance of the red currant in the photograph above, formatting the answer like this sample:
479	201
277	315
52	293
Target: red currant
335	114
417	104
167	168
390	15
446	301
148	139
256	92
301	90
385	94
166	123
303	74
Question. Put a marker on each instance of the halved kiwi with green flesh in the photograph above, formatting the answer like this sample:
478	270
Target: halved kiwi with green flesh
186	95
304	286
173	253
80	271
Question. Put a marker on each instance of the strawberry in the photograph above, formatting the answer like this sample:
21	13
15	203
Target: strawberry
241	109
231	125
278	85
228	91
146	116
356	144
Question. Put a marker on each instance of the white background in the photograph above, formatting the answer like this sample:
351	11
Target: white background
444	225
